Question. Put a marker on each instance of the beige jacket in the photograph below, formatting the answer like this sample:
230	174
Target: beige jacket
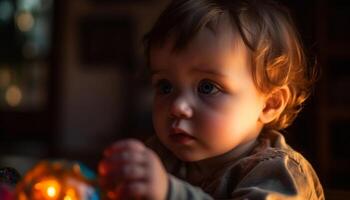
269	170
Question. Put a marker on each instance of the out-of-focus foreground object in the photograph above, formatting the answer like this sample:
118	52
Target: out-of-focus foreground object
58	180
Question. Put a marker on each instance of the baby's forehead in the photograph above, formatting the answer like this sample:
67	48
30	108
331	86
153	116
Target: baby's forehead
223	35
206	49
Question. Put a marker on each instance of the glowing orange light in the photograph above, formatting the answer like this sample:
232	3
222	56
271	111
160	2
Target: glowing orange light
56	180
70	194
67	197
49	189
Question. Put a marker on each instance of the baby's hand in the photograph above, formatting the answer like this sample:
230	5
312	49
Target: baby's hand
129	170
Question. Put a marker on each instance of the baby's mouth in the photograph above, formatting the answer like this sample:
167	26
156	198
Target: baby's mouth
179	136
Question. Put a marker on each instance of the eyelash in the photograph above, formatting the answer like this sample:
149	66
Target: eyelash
164	87
214	88
161	85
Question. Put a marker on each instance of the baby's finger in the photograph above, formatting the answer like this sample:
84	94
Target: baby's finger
129	156
116	161
131	186
136	190
129	144
107	183
111	175
114	193
107	166
134	173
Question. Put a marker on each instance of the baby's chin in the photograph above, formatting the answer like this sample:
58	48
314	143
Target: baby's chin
187	153
189	159
190	156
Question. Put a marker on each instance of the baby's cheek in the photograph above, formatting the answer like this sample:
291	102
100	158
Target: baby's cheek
212	124
159	112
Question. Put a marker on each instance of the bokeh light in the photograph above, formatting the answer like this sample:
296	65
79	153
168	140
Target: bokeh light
58	180
70	194
13	96
25	21
48	189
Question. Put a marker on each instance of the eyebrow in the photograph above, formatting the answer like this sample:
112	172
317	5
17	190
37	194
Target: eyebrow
195	69
209	71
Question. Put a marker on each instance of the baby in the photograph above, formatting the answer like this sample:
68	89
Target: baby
228	75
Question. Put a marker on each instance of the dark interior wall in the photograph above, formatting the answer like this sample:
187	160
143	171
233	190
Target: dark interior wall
94	95
101	53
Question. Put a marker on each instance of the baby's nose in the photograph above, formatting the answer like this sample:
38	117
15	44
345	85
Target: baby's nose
181	108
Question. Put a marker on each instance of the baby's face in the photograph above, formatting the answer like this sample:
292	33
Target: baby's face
205	101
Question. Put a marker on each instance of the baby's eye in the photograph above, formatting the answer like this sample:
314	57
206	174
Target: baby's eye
163	87
207	87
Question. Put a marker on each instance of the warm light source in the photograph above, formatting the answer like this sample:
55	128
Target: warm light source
51	192
70	195
48	188
13	96
25	21
60	180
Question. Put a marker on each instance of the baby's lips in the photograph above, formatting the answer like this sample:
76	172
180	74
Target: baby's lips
177	131
114	148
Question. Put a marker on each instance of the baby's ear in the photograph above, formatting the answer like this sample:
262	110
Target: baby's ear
275	103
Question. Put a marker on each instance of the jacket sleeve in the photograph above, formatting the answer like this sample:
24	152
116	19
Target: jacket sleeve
179	189
279	178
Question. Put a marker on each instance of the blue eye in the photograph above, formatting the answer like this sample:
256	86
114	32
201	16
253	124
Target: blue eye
163	87
207	87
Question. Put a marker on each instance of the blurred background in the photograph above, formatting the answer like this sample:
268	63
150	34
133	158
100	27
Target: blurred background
70	82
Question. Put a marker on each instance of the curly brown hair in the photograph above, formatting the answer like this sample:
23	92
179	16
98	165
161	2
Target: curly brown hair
269	33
